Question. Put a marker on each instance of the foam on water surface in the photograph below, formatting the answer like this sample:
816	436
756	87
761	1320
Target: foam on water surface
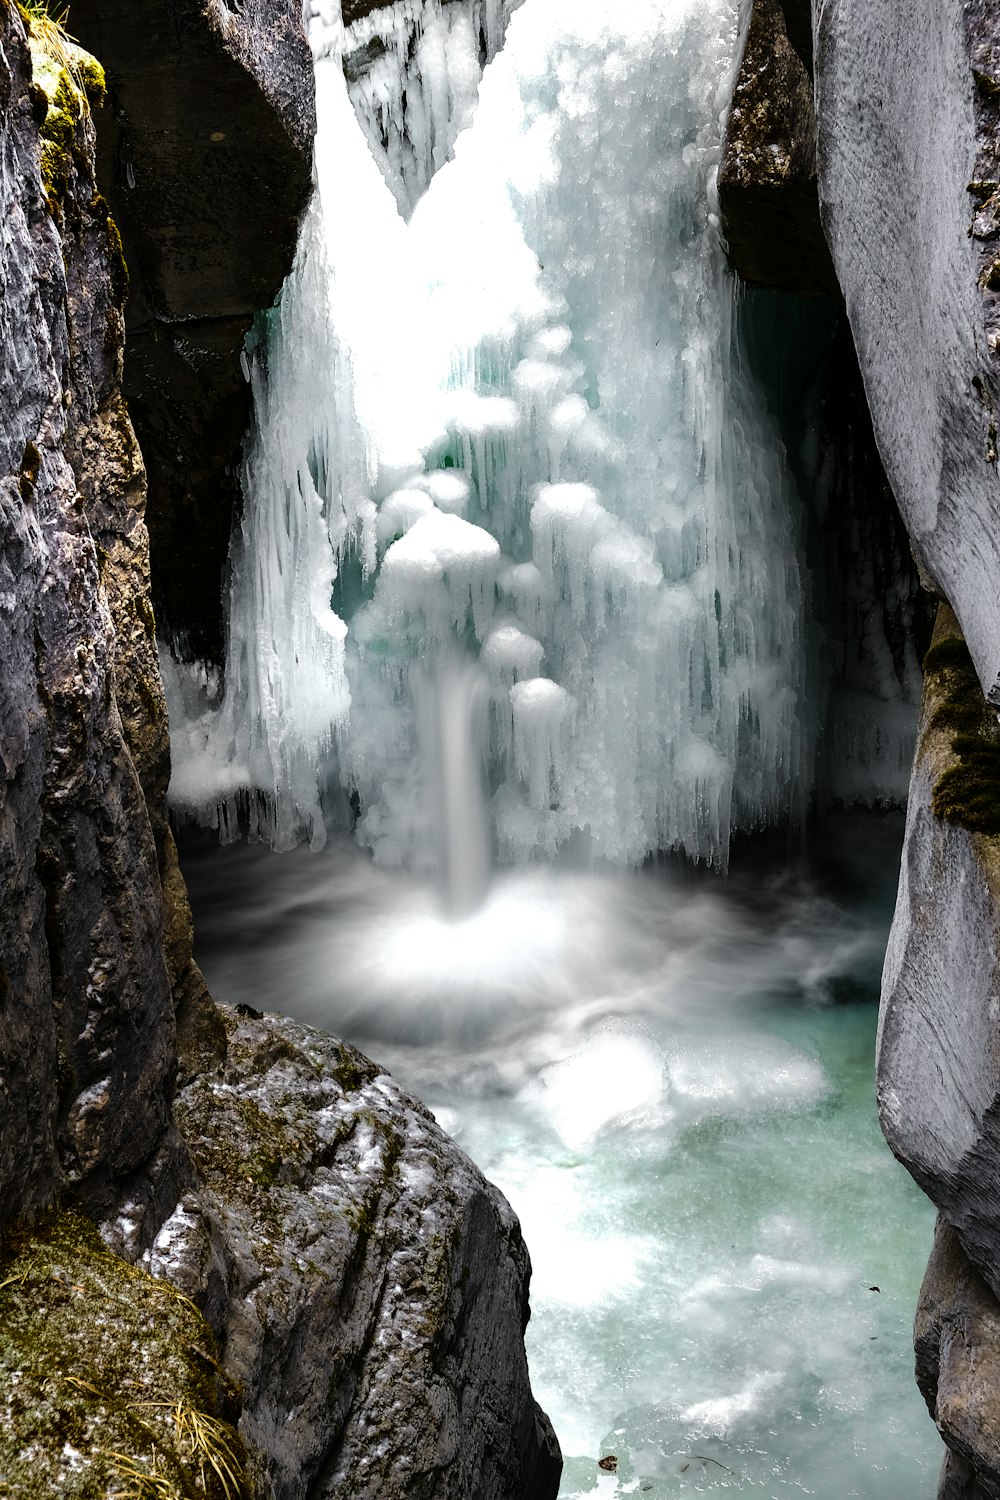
672	1082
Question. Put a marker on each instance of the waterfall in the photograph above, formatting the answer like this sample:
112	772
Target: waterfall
450	701
500	416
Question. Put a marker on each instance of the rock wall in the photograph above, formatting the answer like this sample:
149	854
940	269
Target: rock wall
88	1050
908	107
938	1066
905	136
908	117
957	1341
768	199
205	154
939	1047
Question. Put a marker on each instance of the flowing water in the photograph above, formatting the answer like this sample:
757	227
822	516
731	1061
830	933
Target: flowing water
520	587
671	1078
512	421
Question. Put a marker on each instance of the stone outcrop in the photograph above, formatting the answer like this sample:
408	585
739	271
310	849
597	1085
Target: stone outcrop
768	200
367	1286
908	105
205	150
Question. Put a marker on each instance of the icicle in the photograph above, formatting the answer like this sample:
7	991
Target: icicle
510	421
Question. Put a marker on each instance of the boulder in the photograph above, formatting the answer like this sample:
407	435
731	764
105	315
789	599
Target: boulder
368	1287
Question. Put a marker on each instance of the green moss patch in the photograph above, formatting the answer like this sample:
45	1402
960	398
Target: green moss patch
71	81
109	1385
968	792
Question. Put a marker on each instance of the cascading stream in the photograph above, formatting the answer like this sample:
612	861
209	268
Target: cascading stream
513	427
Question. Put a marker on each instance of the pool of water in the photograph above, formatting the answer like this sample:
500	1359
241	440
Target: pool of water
671	1077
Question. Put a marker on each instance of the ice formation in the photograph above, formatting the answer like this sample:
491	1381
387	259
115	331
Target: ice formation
500	416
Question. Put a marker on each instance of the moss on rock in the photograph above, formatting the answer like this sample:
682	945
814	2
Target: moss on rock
109	1385
71	81
967	791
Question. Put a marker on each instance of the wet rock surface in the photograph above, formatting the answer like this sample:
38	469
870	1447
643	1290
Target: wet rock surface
367	1286
768	198
205	150
87	1032
957	1343
908	106
939	1052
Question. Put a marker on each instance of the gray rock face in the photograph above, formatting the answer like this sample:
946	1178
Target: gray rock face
957	1344
768	197
205	152
367	1286
907	109
938	1077
939	1045
87	1036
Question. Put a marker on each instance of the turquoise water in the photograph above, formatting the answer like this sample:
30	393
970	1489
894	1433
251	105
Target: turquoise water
671	1078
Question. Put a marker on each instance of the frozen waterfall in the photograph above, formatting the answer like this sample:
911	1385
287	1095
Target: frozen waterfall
500	417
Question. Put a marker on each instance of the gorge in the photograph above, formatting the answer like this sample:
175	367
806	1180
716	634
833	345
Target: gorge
555	706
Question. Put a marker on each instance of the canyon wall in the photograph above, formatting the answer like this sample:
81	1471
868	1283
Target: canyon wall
890	114
205	157
207	1220
88	885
